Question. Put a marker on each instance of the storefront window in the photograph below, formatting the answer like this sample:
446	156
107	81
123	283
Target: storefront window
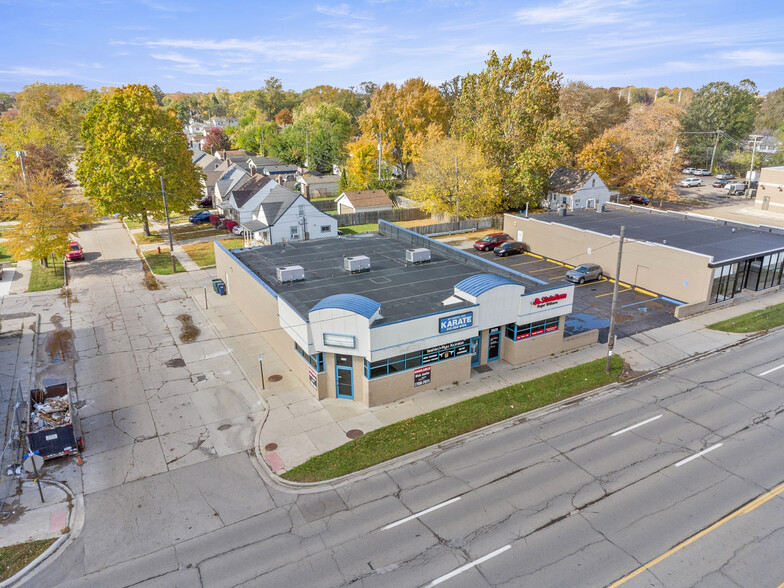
316	360
724	279
410	361
519	332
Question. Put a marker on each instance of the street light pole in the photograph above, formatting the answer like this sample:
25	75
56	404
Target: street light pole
611	335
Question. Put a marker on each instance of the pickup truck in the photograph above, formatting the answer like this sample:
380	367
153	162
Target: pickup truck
50	424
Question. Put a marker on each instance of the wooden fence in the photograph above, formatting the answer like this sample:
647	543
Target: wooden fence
364	218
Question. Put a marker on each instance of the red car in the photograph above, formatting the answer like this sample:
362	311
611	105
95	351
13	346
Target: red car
490	242
74	252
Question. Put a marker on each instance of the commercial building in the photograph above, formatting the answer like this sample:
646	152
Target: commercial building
770	189
376	319
693	259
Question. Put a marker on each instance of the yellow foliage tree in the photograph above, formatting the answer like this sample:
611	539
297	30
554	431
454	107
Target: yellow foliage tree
47	216
455	178
636	156
362	164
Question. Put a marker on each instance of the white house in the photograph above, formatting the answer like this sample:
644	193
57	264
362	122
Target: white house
575	189
363	201
232	179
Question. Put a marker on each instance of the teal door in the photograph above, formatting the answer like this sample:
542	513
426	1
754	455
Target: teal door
476	351
344	374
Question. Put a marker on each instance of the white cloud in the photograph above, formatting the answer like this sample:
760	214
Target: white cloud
579	13
341	10
35	72
753	57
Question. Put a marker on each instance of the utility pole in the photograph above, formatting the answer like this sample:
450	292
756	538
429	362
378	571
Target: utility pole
611	335
755	139
457	190
261	145
669	167
168	225
379	135
713	157
307	147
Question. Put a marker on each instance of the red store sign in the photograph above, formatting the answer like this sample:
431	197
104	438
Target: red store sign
551	300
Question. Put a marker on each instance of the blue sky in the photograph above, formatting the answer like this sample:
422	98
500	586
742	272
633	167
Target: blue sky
198	46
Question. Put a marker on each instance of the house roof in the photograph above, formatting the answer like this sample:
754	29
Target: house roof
258	161
368	198
232	152
280	169
250	188
320	180
565	180
254	225
211	177
279	201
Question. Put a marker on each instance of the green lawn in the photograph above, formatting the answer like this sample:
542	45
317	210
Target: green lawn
132	224
160	263
5	257
196	232
759	320
47	278
356	229
204	253
15	557
143	239
445	423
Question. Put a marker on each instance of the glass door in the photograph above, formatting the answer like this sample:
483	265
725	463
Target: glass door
344	376
476	351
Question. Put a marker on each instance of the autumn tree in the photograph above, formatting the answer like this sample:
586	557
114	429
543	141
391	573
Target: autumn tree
590	110
455	178
771	113
719	106
637	156
217	140
510	112
405	118
46	215
284	118
130	143
361	170
347	100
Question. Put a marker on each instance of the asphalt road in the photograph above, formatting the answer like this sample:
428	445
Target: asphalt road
585	495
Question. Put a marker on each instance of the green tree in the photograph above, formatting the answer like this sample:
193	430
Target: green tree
455	178
158	93
130	143
591	110
719	106
771	114
46	215
406	118
510	112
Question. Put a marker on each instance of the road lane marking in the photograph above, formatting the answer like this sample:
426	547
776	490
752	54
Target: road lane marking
650	420
742	510
771	371
468	566
419	514
700	454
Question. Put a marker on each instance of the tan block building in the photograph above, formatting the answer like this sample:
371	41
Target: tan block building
770	189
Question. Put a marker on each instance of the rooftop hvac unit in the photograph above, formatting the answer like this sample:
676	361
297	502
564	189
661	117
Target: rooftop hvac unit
421	255
292	273
358	263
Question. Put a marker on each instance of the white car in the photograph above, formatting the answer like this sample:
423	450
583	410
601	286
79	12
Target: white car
690	182
237	230
701	172
688	170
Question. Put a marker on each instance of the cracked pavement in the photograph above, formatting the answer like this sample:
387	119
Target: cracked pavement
169	501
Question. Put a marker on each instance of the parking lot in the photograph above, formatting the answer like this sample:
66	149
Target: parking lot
637	310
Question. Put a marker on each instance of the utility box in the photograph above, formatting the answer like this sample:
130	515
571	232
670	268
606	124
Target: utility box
421	255
358	263
291	273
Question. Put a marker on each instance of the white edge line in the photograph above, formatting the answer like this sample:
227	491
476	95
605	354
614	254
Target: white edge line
467	566
419	514
635	426
772	370
696	455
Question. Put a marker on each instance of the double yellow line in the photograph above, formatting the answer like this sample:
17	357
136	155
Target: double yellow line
741	511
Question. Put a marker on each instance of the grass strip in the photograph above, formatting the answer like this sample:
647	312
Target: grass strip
160	263
196	231
47	278
5	257
758	320
356	229
204	253
153	238
15	557
450	421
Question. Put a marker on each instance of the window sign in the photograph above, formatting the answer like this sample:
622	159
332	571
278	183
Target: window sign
421	376
313	378
455	322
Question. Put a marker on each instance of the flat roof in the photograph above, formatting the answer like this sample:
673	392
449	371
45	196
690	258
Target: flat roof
404	290
722	240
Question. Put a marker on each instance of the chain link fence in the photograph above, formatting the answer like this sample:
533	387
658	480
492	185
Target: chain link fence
13	413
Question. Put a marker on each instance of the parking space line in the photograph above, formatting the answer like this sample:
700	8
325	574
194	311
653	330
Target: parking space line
535	255
610	293
646	292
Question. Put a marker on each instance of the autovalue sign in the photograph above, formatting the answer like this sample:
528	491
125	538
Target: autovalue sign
455	322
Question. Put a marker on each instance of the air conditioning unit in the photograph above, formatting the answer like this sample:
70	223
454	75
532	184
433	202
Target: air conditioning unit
291	273
421	255
358	263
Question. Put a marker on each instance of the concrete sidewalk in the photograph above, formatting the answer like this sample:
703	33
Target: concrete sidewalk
299	427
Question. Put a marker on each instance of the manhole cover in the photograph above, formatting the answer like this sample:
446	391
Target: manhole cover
270	447
275	378
224	427
354	433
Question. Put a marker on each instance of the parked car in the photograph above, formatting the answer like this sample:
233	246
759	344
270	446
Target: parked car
489	242
510	248
720	183
736	188
585	272
725	176
205	202
690	182
635	199
238	230
702	172
74	252
688	170
200	217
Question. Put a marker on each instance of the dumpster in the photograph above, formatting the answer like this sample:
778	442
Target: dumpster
215	283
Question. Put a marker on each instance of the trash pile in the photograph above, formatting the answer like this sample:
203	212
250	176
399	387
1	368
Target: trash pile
52	412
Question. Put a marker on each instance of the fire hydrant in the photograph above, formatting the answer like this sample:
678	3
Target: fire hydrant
159	249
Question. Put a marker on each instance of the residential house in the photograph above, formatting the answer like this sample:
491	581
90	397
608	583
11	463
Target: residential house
231	179
231	153
575	189
282	173
363	201
312	186
256	163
